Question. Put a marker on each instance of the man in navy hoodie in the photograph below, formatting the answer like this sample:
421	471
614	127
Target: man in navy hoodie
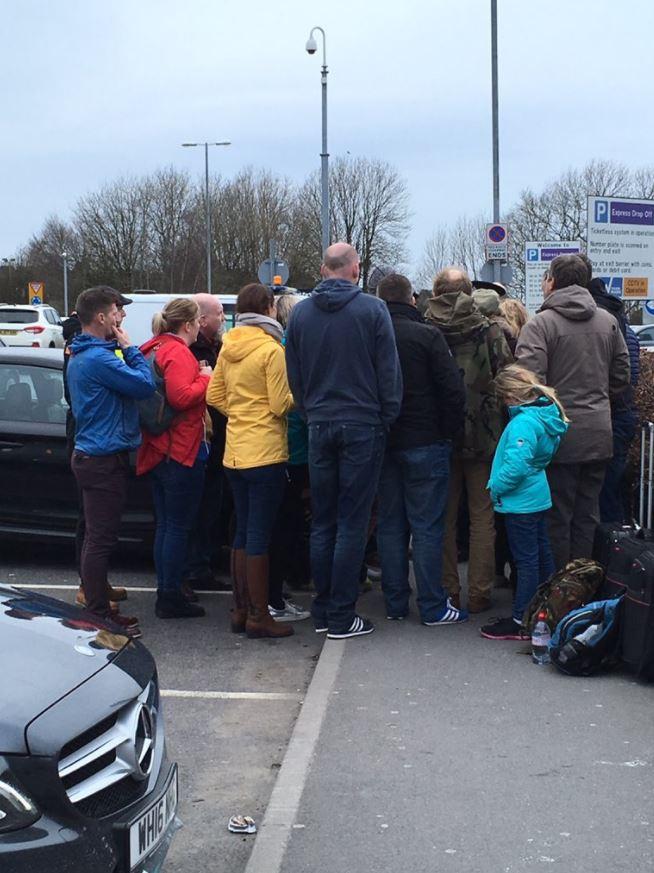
345	376
106	376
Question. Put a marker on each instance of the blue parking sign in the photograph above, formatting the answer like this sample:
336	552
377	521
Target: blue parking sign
532	254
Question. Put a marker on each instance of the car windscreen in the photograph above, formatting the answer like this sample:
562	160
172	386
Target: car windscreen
29	393
18	316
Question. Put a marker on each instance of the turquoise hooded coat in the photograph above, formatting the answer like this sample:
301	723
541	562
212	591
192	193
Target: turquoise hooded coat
518	483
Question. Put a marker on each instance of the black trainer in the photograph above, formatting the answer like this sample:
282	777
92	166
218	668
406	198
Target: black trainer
176	606
358	628
504	629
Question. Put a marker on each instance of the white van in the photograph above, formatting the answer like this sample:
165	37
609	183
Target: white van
139	313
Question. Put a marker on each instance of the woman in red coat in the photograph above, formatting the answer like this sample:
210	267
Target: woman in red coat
176	458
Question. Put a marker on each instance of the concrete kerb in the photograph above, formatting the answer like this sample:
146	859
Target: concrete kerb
270	844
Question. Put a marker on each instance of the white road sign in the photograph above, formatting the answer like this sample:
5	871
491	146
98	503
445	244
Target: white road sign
497	242
621	245
538	256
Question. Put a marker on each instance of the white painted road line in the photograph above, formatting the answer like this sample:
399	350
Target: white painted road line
270	845
233	695
75	587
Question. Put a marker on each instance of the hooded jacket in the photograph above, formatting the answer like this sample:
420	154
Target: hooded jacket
104	388
341	357
487	302
480	350
250	387
433	402
185	391
578	349
518	482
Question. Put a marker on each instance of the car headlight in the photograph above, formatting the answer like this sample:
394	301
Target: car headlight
17	809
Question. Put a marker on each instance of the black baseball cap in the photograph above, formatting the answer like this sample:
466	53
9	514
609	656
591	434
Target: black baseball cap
122	300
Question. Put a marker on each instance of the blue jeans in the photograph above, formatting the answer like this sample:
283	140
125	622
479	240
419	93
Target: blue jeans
257	493
344	465
413	501
530	546
176	491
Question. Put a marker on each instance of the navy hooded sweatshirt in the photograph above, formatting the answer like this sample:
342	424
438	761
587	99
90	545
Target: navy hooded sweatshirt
341	357
104	388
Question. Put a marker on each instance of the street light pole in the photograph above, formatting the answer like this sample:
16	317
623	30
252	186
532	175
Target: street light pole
64	255
496	131
312	48
206	199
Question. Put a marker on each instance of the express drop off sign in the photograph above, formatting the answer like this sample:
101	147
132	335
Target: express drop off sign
621	245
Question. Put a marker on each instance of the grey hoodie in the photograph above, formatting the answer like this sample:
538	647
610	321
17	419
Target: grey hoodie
578	349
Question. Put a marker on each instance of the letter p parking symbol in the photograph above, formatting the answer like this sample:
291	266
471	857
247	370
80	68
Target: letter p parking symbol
602	211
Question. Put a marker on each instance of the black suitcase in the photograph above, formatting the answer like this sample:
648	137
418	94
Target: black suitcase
638	617
616	546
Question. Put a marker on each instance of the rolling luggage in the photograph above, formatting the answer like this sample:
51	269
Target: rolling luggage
617	546
638	616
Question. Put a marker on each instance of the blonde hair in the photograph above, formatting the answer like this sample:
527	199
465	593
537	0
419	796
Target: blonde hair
516	383
174	316
285	303
515	314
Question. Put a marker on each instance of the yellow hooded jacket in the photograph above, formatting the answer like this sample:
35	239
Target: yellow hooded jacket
250	387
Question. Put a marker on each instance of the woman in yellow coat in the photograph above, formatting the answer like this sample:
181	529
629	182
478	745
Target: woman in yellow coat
250	387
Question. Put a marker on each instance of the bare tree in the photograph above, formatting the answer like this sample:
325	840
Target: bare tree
369	208
460	245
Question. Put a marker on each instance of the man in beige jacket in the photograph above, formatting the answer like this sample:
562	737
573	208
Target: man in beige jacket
579	350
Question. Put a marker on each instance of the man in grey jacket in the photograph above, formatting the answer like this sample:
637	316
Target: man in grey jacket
578	349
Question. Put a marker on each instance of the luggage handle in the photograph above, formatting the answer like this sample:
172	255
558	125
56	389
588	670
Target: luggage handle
647	428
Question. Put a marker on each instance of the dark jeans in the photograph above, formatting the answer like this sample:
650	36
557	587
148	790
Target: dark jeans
575	509
206	525
257	493
102	485
530	547
344	465
612	496
412	501
176	491
289	554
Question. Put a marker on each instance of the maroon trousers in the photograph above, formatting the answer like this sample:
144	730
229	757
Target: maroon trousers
102	484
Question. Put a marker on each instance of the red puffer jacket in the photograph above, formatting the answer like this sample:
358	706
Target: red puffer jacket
185	390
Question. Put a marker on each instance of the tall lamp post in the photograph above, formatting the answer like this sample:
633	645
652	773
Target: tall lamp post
312	48
189	145
496	131
64	256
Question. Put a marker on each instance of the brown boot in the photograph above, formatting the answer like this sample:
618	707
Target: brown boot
477	603
117	594
239	610
259	622
80	599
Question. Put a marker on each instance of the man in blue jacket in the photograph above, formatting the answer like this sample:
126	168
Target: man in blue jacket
106	376
345	376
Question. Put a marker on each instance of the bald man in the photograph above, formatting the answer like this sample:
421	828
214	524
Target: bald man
345	375
206	533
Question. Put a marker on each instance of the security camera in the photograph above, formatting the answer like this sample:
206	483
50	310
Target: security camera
311	46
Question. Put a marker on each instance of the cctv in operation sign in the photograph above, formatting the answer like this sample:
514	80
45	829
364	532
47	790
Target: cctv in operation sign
621	245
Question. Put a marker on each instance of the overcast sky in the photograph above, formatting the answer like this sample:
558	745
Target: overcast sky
94	90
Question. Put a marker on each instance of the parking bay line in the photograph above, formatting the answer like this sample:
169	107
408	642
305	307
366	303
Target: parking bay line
270	846
233	695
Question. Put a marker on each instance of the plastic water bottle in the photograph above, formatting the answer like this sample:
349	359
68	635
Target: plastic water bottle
540	638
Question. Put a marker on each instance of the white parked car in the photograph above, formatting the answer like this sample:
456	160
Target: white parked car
35	326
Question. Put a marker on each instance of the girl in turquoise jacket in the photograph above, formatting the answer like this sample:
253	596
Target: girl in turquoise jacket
518	485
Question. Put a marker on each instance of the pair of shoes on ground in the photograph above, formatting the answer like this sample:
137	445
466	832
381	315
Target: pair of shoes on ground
449	614
116	595
504	629
360	627
290	612
175	605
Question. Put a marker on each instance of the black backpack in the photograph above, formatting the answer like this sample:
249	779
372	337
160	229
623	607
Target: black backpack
155	413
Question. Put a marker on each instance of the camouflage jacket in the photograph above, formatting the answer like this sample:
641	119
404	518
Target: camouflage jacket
480	350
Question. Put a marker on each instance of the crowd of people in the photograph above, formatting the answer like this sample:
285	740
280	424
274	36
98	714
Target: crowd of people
462	425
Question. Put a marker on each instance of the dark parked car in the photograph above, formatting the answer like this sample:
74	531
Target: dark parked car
38	496
85	783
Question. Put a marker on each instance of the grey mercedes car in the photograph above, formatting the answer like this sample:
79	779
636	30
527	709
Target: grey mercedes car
85	782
